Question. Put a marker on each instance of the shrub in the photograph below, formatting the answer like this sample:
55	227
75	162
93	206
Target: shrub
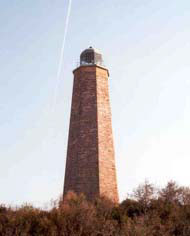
147	213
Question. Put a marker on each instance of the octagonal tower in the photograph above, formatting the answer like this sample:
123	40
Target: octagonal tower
90	164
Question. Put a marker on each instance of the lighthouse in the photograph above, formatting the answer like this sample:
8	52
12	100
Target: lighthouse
90	163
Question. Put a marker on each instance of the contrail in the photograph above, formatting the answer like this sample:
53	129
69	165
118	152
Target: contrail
62	54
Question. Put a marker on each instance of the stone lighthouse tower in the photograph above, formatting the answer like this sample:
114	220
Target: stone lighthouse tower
90	165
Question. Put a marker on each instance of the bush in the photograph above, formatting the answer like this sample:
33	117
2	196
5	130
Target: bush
149	212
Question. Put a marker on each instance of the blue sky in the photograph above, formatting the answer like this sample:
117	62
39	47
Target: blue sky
146	47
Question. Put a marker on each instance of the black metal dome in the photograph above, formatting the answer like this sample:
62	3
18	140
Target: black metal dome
91	56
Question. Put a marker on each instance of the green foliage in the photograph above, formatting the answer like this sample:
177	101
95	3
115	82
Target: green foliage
149	212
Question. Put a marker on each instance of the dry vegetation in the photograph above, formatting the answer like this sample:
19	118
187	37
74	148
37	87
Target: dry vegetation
149	211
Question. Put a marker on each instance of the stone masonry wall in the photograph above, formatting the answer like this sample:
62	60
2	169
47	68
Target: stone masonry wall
82	156
90	166
106	155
